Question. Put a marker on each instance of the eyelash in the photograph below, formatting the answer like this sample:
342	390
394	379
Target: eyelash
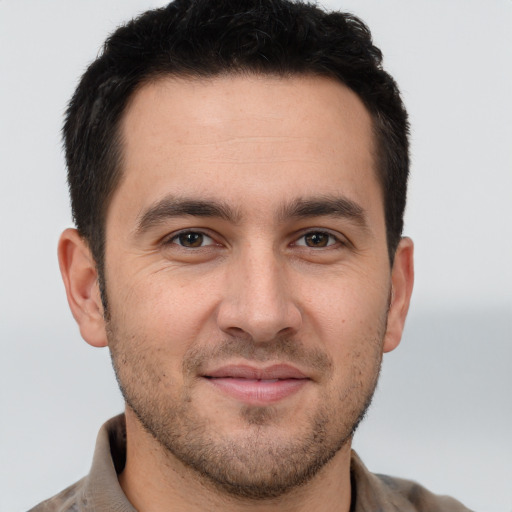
176	237
331	238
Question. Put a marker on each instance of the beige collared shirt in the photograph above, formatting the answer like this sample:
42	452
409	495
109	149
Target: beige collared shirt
100	489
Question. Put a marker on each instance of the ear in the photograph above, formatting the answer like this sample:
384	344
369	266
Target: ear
80	278
402	280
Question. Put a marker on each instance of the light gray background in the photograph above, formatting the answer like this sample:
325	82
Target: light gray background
442	413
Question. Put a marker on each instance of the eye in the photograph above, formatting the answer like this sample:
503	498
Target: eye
317	239
192	239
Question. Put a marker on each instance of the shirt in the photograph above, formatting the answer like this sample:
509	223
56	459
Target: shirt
100	489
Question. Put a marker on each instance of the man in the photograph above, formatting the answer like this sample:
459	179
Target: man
238	176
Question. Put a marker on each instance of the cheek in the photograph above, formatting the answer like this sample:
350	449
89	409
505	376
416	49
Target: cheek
348	312
168	313
352	330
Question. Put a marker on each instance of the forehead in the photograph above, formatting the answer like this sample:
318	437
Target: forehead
235	135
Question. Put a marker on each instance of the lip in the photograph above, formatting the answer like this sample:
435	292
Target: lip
258	386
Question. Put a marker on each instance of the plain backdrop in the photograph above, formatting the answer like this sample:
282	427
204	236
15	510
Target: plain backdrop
443	411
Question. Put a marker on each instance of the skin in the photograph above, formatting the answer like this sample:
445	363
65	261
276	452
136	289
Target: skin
286	264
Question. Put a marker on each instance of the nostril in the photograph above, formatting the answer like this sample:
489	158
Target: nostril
237	332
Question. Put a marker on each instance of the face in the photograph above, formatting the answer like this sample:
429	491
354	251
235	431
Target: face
247	275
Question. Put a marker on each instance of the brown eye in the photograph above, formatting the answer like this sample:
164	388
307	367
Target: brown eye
318	239
192	240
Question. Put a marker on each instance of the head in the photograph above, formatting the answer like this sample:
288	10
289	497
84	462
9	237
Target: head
238	182
208	38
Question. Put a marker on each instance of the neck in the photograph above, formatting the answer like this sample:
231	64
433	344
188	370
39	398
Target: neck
154	480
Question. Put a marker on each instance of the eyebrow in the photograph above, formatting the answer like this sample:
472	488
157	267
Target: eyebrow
335	206
301	208
171	206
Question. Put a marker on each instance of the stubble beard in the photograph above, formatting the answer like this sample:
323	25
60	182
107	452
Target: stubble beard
252	463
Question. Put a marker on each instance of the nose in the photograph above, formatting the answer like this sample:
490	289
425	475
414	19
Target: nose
258	301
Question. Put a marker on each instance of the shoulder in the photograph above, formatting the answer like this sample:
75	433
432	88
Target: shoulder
70	499
389	494
418	497
100	489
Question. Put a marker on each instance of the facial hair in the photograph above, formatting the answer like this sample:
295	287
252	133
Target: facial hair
260	461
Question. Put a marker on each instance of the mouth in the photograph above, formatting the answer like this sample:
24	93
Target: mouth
258	386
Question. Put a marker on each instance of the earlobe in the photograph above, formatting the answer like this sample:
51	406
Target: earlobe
80	278
402	280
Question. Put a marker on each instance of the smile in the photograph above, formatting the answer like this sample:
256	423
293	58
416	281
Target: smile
257	386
